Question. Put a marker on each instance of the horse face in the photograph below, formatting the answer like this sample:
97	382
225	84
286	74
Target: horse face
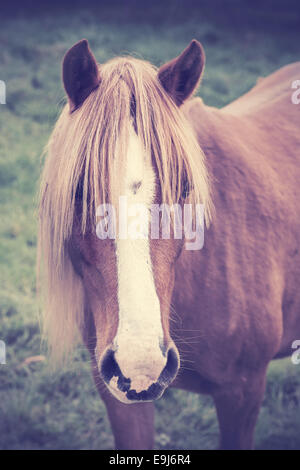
128	278
128	283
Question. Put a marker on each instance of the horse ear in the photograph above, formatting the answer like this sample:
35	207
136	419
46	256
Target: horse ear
80	73
180	76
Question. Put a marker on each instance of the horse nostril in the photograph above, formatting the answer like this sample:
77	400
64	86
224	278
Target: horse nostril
171	368
123	383
109	369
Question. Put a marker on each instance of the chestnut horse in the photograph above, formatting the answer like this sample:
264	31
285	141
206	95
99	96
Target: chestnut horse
144	304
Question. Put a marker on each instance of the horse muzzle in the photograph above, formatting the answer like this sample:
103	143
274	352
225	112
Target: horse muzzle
139	382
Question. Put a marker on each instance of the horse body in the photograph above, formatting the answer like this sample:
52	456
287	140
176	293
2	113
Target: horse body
235	303
238	297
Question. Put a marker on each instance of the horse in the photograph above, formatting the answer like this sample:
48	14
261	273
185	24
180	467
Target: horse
151	313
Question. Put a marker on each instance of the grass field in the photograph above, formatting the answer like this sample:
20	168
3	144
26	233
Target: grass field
243	41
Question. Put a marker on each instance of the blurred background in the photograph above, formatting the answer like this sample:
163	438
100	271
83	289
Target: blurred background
243	40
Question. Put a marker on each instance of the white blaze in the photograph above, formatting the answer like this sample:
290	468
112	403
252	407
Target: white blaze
139	333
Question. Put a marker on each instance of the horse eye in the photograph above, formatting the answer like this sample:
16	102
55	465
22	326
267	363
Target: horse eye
185	189
79	191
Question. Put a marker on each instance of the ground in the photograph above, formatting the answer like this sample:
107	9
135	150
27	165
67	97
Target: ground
243	41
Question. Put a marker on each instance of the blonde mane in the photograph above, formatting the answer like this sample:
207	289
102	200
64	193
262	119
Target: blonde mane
82	149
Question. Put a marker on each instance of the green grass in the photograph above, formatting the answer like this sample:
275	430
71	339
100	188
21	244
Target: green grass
62	411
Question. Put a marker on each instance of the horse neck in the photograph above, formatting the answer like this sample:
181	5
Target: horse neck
226	142
218	136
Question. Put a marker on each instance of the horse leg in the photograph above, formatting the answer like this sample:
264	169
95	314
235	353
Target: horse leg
237	411
132	425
